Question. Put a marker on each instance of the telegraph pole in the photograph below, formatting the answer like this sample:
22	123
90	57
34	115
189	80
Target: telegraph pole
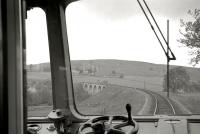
168	53
168	59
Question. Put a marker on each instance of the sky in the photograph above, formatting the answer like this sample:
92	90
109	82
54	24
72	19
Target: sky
113	29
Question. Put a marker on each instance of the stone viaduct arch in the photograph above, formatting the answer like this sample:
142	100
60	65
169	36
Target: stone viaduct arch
93	88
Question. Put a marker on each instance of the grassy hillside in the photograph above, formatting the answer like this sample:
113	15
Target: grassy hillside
132	68
38	75
105	67
128	68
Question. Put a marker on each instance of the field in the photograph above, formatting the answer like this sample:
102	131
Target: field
119	91
39	93
190	101
38	75
113	100
42	110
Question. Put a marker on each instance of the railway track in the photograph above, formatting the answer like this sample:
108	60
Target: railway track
162	105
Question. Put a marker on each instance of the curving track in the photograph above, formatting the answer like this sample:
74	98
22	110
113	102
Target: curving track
162	104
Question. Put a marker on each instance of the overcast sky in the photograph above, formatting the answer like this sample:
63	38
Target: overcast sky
112	29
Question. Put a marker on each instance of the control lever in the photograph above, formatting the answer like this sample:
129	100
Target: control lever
61	120
104	124
128	109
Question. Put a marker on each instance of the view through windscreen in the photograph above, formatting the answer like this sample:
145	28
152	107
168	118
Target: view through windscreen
38	70
116	59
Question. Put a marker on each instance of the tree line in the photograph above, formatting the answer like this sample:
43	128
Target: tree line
180	82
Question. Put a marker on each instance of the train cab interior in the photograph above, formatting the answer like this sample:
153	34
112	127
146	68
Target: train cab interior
99	66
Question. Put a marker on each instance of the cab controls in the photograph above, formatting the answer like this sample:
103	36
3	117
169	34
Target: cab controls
33	128
51	128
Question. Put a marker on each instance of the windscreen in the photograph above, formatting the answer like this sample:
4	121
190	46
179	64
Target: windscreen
116	57
38	84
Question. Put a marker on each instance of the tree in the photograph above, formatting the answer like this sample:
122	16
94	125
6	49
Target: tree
89	70
121	75
94	70
80	93
191	35
31	67
178	80
113	72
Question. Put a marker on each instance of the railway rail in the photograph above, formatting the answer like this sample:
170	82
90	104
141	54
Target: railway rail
162	104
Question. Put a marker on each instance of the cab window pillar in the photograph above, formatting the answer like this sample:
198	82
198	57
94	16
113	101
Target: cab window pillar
58	54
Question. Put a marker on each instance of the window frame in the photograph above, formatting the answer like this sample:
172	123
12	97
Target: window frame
25	73
59	60
67	88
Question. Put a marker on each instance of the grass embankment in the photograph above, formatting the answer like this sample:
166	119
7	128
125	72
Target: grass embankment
190	101
39	99
112	101
187	103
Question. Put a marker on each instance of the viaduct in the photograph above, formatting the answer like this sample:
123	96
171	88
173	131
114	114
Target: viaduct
93	88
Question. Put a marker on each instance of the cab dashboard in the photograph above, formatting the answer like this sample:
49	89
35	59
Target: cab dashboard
128	124
146	125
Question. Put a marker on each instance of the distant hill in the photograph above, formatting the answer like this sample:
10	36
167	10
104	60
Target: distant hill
128	68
